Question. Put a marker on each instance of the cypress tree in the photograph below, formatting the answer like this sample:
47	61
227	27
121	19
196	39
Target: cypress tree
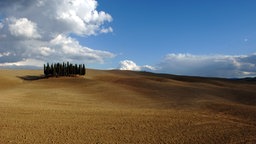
75	69
45	70
64	69
80	69
83	70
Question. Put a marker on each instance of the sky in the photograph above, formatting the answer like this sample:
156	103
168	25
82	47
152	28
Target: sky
212	38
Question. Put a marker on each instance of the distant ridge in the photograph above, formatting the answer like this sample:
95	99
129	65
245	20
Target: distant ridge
186	78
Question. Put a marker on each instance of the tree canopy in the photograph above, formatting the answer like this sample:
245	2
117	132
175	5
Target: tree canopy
64	69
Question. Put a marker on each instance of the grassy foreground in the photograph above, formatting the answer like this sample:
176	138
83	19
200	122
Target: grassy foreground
125	107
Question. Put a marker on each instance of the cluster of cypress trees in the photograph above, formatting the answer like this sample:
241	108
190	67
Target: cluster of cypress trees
64	69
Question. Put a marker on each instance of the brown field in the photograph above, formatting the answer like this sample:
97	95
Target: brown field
125	107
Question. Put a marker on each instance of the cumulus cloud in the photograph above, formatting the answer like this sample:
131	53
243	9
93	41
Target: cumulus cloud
130	65
23	28
25	62
227	66
39	30
72	50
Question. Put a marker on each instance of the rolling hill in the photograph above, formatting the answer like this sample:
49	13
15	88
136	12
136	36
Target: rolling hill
125	107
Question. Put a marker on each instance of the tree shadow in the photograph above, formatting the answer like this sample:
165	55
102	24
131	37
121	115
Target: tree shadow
32	77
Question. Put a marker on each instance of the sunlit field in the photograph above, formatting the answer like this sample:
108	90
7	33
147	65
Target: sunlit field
125	107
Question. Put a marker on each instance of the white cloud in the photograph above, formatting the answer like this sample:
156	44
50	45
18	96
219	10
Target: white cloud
74	51
106	30
148	68
1	25
23	28
46	51
209	65
25	62
40	30
4	54
130	65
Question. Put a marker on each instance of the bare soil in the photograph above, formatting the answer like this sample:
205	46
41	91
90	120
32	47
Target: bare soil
125	107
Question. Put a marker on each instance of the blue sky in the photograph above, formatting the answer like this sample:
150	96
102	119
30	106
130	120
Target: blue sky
200	37
145	31
155	28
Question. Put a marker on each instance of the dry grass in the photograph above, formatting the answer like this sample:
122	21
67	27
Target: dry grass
125	107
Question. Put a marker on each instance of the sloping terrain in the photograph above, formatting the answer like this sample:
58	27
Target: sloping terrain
125	107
